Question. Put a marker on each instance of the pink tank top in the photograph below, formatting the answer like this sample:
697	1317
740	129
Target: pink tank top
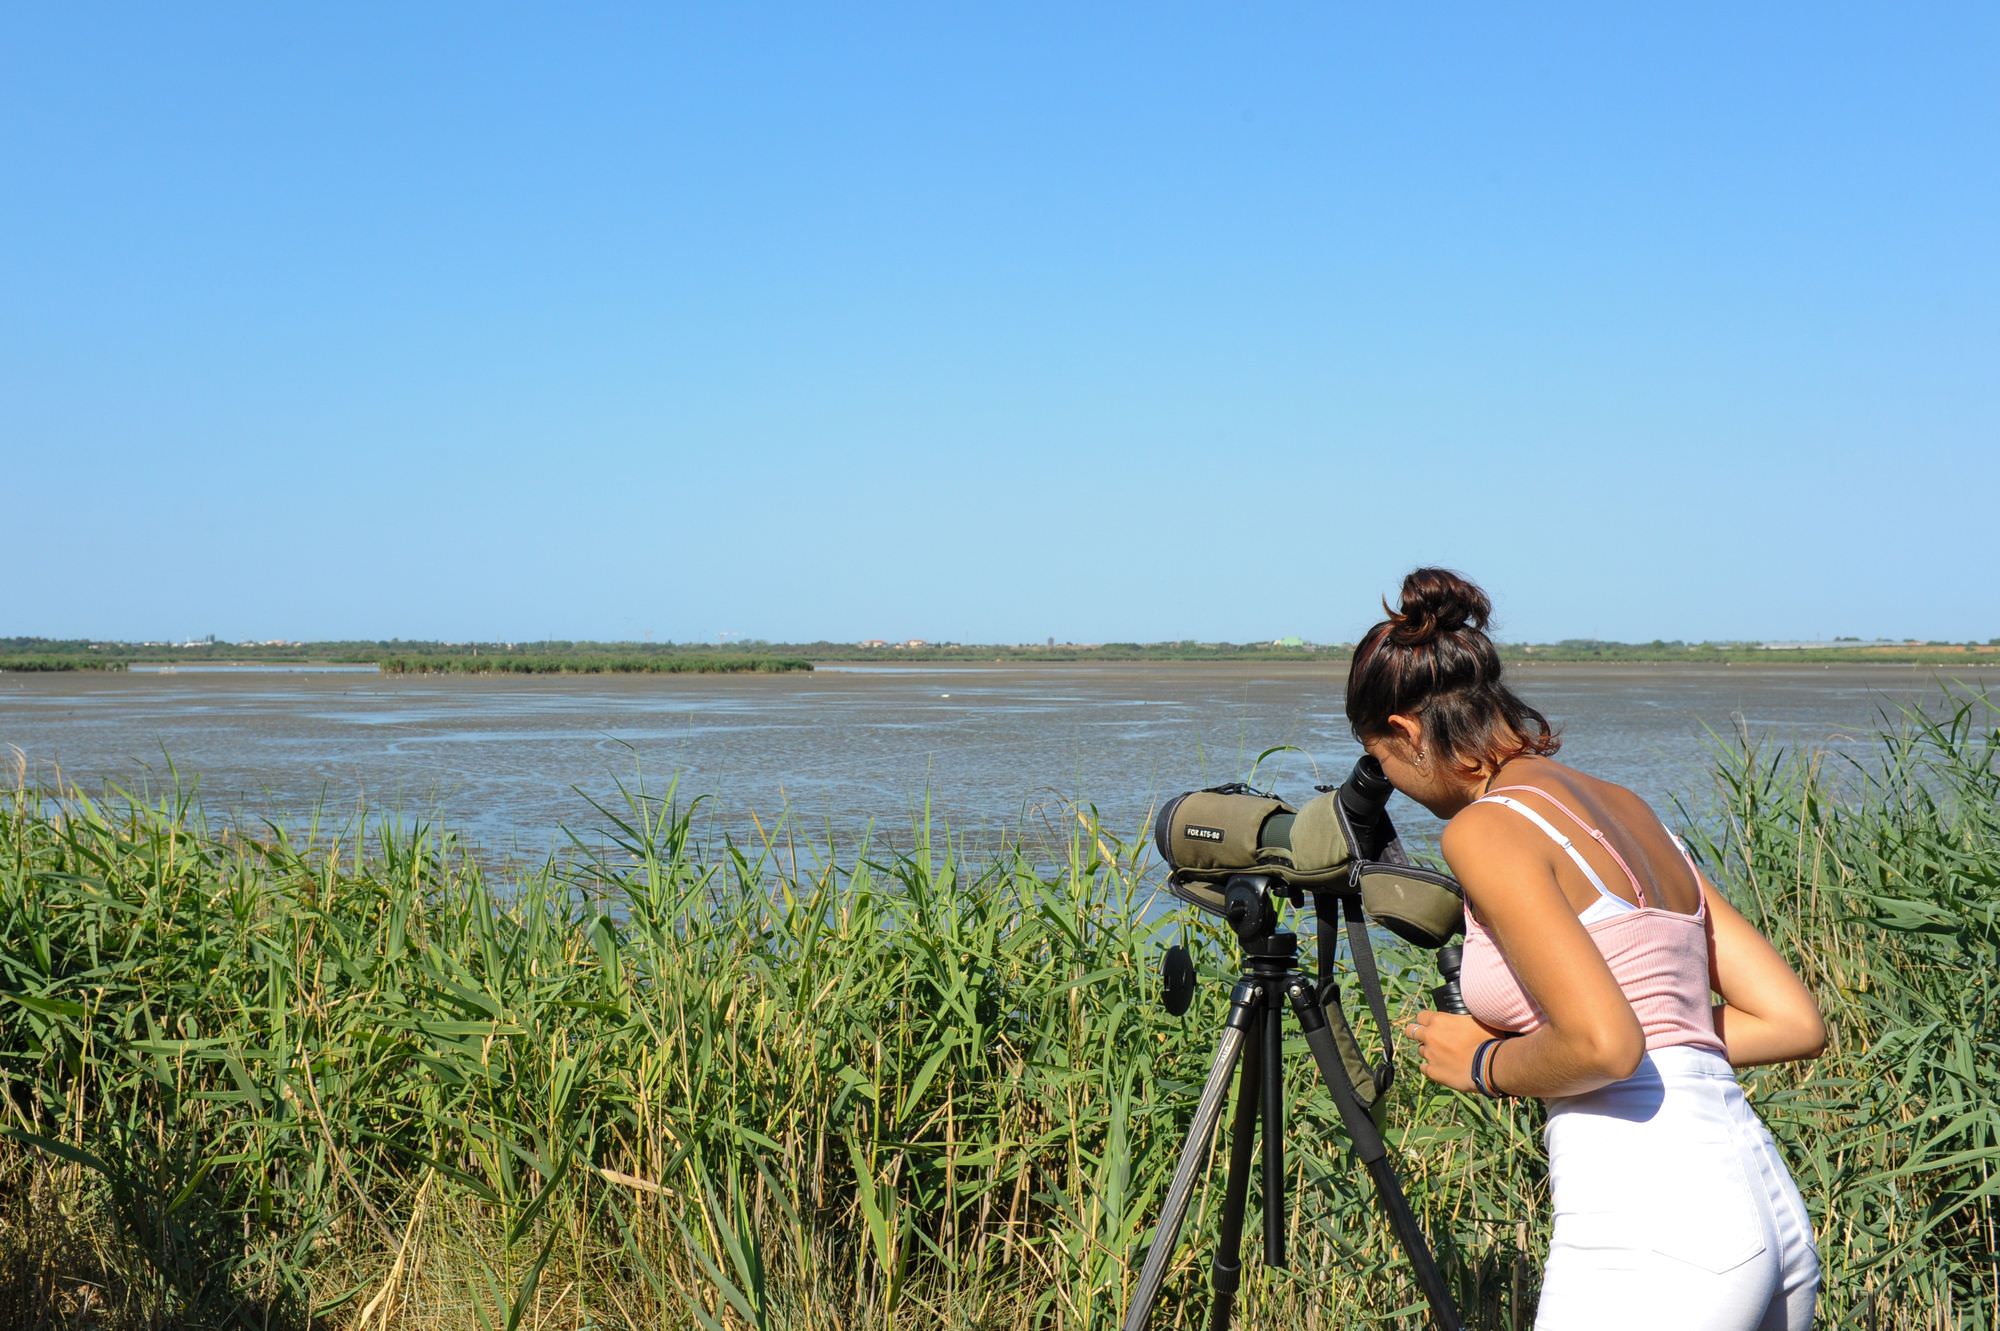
1659	957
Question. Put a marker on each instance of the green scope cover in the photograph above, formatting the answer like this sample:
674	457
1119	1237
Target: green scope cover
1208	835
1418	905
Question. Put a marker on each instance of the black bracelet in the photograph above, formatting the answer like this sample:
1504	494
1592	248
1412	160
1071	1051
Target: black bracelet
1492	1084
1479	1070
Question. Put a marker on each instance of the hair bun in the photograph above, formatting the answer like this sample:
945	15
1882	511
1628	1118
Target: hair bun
1437	601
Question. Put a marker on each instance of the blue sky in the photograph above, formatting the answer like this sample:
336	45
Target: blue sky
992	324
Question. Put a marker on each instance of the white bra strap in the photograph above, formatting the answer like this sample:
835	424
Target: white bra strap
1569	847
1701	897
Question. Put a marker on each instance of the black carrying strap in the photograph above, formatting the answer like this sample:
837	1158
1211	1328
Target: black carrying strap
1371	1079
1363	952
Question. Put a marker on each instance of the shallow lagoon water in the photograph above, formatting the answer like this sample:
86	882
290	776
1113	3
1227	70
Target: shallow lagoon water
999	750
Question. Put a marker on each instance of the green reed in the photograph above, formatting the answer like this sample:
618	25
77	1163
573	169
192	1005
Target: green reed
336	1076
52	664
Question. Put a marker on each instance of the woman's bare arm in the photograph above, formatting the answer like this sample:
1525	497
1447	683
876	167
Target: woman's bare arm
1767	1015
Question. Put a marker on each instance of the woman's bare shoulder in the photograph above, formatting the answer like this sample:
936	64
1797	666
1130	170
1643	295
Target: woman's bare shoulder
1599	799
1480	831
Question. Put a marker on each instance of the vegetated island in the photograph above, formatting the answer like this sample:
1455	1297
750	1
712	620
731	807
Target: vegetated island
559	657
590	663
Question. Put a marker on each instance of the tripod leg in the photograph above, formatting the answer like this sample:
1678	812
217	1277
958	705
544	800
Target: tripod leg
1372	1151
1242	1008
1274	1132
1226	1275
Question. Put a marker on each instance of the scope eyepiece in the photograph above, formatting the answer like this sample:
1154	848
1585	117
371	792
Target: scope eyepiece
1368	780
1363	798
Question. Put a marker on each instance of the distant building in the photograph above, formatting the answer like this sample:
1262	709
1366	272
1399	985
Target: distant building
875	642
916	642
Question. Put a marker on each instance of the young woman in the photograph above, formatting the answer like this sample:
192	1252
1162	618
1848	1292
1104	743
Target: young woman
1592	944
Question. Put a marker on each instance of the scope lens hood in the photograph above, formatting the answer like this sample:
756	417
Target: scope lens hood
1163	828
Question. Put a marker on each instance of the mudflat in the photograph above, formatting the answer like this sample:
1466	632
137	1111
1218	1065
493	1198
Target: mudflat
997	749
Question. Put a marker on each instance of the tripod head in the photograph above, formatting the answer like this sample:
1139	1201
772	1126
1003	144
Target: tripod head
1250	904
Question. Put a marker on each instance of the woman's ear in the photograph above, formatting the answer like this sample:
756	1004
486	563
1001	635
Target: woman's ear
1408	729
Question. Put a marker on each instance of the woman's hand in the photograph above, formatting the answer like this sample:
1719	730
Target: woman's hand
1446	1042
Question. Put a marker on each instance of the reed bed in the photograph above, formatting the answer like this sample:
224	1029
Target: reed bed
335	1077
28	665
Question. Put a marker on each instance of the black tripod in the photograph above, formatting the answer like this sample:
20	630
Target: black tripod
1253	1036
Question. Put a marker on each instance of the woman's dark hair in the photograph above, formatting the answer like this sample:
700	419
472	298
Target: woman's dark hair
1431	659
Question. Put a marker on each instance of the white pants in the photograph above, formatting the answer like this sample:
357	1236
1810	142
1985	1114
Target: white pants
1673	1209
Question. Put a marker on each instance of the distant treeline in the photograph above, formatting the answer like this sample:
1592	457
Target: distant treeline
1589	649
581	664
566	656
